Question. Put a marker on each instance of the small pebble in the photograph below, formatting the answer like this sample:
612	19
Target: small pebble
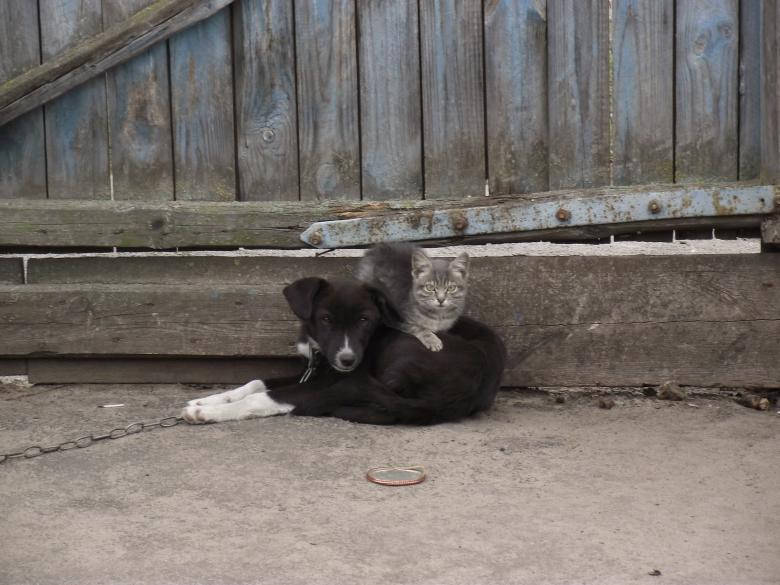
606	403
670	391
560	398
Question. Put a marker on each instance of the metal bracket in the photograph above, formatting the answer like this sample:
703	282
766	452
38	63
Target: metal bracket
545	211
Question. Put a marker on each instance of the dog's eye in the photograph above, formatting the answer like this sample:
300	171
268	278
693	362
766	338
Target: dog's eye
325	319
363	319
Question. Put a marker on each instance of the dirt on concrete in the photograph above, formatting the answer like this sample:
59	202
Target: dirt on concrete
537	491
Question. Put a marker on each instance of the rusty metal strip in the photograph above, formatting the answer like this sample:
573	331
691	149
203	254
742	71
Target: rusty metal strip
544	212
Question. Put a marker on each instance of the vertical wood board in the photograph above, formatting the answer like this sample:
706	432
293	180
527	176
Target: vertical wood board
516	95
202	105
329	151
391	124
707	90
643	91
266	117
749	89
76	123
139	117
770	92
578	93
22	155
453	98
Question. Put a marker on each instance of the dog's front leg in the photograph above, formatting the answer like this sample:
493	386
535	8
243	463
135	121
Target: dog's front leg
251	406
231	395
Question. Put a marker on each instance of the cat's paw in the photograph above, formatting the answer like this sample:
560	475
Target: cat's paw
431	341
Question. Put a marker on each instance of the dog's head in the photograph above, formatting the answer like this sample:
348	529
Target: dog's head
339	316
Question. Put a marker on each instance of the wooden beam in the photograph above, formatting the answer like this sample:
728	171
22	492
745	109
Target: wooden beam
11	271
159	371
99	53
706	320
167	225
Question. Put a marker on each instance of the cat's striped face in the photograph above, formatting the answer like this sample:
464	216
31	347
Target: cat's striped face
440	284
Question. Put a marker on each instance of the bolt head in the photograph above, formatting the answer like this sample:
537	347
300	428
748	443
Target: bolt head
563	214
316	238
654	206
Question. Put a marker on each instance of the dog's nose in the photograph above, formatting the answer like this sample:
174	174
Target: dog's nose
347	361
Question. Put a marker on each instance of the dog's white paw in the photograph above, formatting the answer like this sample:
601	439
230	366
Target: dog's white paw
194	415
231	395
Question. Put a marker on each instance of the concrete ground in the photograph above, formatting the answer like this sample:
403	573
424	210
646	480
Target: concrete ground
533	492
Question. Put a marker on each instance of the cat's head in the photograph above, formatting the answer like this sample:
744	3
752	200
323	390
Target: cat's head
439	283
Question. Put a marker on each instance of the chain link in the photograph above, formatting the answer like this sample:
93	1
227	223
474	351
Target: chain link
87	440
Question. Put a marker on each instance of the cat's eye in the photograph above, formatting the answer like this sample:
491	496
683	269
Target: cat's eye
430	287
325	319
363	320
452	288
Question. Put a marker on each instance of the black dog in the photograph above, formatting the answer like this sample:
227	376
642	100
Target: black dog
371	373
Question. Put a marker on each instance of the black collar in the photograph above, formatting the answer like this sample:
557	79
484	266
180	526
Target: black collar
314	361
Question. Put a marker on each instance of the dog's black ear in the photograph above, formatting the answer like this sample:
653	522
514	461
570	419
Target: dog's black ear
300	295
389	315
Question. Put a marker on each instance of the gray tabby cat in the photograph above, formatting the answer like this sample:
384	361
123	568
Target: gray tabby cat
428	293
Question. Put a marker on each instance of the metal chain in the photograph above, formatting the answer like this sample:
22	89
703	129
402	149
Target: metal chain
87	440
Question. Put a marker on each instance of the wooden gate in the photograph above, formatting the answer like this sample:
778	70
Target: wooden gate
182	124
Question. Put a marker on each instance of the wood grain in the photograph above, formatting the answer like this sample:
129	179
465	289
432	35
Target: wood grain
770	93
578	95
13	367
139	116
705	320
391	124
96	54
158	371
22	154
643	98
453	98
707	90
749	89
202	105
162	226
516	95
329	152
11	271
266	117
76	123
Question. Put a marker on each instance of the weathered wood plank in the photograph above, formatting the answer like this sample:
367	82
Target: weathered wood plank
453	98
279	224
578	94
391	125
516	95
770	230
99	53
202	104
643	98
709	320
749	89
13	367
139	117
707	90
328	134
11	271
22	155
202	270
770	93
158	371
76	123
266	117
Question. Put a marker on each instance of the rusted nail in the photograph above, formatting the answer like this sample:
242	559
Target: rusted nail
654	206
563	214
316	238
459	222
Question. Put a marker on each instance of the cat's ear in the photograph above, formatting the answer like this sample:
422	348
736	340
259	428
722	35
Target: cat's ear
460	265
300	295
388	313
420	263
